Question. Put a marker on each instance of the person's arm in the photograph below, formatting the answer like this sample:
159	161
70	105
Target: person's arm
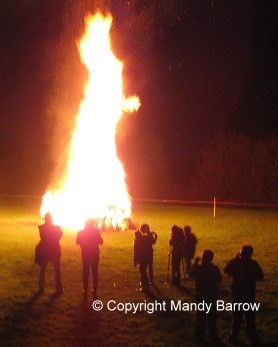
41	232
194	269
154	237
218	276
78	237
60	233
171	239
195	240
135	258
229	268
259	273
100	239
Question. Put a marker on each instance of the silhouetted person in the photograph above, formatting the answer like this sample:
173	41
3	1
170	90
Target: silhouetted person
207	277
143	254
189	246
245	272
89	240
177	243
48	250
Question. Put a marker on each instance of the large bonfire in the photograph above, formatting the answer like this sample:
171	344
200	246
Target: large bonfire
94	184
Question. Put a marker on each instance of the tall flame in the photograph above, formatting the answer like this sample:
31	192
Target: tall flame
94	185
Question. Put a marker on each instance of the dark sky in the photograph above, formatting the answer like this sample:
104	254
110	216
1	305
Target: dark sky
198	66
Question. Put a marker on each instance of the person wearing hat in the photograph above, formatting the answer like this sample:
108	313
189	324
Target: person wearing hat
49	250
143	254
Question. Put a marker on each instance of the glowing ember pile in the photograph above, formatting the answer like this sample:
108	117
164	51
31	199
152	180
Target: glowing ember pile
94	185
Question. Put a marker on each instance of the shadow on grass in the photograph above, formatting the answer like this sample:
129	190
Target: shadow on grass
15	323
88	327
174	325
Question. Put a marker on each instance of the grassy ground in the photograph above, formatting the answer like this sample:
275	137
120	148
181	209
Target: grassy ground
68	321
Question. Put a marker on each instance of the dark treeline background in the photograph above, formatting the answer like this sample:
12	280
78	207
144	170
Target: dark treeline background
205	73
239	168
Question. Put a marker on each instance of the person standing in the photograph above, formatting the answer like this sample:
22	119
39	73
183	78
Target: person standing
143	254
89	240
177	243
189	246
49	250
207	278
245	273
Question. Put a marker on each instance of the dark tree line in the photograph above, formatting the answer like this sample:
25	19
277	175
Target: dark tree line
239	168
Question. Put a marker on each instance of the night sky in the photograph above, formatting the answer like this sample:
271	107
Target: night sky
198	66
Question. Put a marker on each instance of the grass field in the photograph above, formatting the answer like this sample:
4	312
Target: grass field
68	321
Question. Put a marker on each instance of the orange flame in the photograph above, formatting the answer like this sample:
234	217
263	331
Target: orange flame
94	186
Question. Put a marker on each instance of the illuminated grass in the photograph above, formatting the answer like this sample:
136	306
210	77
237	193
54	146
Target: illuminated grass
67	321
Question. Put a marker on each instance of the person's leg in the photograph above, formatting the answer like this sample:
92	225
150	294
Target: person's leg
178	268
144	277
251	331
95	262
85	273
212	322
174	267
57	271
150	265
237	316
188	264
42	276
